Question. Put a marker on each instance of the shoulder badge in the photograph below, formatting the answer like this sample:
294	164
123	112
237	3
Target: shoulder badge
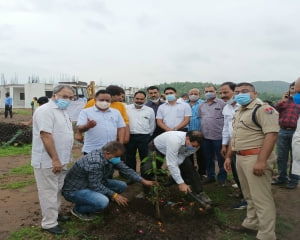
269	110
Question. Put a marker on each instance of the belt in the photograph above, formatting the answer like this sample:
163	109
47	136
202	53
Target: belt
253	151
286	128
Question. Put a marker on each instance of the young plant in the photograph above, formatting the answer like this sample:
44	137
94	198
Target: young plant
157	191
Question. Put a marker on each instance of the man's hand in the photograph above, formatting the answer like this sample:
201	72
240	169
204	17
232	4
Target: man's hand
224	150
148	183
184	188
259	168
56	166
90	124
120	200
227	164
79	136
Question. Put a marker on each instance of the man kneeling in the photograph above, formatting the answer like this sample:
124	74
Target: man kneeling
87	183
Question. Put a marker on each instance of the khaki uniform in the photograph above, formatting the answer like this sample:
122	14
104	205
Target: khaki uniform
261	212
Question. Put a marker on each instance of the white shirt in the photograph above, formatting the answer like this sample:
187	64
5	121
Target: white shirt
173	115
228	112
141	120
49	118
105	130
296	150
172	145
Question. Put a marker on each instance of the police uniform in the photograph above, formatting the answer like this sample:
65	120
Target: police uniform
247	140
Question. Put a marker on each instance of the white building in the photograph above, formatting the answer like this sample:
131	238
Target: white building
22	94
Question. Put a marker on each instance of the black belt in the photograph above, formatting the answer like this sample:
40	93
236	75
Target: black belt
285	128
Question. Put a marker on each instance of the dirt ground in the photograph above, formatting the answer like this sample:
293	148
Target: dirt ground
20	207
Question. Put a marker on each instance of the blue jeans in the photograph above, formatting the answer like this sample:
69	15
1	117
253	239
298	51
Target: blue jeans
212	149
89	201
284	150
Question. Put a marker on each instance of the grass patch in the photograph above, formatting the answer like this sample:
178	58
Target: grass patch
22	170
33	233
16	185
25	112
14	151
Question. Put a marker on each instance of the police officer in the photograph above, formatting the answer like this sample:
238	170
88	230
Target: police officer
255	130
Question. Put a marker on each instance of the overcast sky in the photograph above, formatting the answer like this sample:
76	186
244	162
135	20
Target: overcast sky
143	42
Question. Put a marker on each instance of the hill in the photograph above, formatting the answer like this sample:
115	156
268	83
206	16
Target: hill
271	87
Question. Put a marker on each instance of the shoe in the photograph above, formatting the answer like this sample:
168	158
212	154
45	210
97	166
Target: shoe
55	230
277	181
63	218
209	180
82	216
291	185
242	229
241	205
204	197
199	199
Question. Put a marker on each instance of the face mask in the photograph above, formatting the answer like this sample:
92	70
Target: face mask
62	103
115	160
296	98
210	95
171	97
243	98
139	105
193	98
230	101
102	104
154	100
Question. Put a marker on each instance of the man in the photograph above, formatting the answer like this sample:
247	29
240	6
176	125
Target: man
141	125
184	97
227	95
154	102
212	122
255	130
296	137
8	102
88	182
288	117
117	96
100	123
177	146
173	115
195	125
52	141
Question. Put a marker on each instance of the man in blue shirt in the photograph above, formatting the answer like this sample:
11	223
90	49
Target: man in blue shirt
8	105
195	125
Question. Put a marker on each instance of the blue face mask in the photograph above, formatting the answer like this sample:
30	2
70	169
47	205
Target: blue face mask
62	103
115	160
210	95
243	98
190	148
296	98
171	97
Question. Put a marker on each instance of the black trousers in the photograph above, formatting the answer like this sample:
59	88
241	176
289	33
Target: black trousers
200	160
187	170
137	142
234	173
8	109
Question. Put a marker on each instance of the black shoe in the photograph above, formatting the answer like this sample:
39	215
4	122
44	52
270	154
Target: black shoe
55	230
209	180
291	185
62	218
82	216
277	181
242	229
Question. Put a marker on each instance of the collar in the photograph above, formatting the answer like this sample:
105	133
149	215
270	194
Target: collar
215	100
252	104
97	110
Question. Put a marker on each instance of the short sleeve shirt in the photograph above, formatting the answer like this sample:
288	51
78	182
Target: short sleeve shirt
212	119
173	115
49	118
246	134
105	130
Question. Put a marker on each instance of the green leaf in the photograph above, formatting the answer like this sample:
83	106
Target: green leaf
145	160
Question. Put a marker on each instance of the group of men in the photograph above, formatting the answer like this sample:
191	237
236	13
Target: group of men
237	130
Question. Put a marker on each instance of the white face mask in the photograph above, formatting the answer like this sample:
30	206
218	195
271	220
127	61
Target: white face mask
193	98
154	100
102	104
